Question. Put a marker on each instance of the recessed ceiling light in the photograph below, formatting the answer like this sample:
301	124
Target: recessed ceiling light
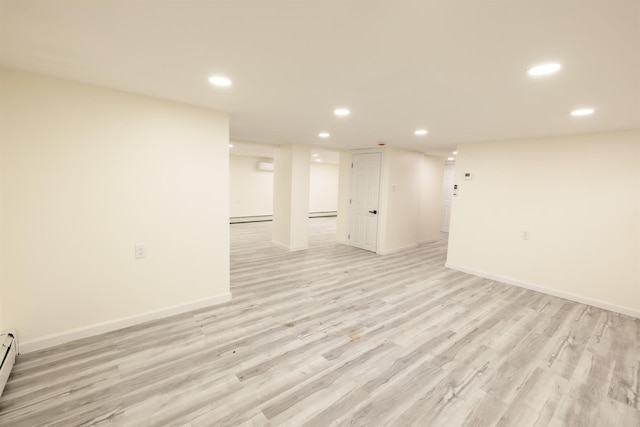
219	81
450	158
324	135
421	132
544	69
341	112
583	112
317	160
314	155
455	152
230	145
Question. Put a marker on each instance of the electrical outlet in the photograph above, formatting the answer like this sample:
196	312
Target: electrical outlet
525	235
141	251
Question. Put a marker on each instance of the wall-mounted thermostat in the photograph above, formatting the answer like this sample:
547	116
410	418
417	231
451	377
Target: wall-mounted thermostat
468	175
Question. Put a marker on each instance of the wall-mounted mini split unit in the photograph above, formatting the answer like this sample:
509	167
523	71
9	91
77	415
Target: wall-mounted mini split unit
265	166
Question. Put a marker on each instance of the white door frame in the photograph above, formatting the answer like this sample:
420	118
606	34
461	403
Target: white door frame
448	181
380	193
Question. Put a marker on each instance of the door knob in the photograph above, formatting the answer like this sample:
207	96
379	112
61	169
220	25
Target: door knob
373	211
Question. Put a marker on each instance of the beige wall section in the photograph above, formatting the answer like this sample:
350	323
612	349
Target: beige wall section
300	199
251	190
291	197
86	174
323	187
281	227
400	200
344	191
431	199
576	196
3	95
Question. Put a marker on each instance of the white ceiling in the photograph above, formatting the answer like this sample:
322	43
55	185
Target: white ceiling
457	68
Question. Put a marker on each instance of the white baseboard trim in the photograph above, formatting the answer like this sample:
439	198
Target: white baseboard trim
549	291
393	251
293	249
113	325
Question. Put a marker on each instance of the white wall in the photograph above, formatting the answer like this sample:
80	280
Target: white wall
344	191
431	198
2	323
86	174
323	187
251	190
579	199
291	197
400	200
2	120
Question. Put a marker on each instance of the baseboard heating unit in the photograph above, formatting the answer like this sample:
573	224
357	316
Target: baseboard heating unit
8	351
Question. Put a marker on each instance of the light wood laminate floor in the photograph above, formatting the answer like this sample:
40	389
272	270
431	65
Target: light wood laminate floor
339	336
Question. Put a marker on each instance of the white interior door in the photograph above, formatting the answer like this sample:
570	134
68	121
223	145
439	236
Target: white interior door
365	193
447	196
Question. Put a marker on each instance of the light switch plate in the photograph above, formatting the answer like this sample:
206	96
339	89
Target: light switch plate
141	251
